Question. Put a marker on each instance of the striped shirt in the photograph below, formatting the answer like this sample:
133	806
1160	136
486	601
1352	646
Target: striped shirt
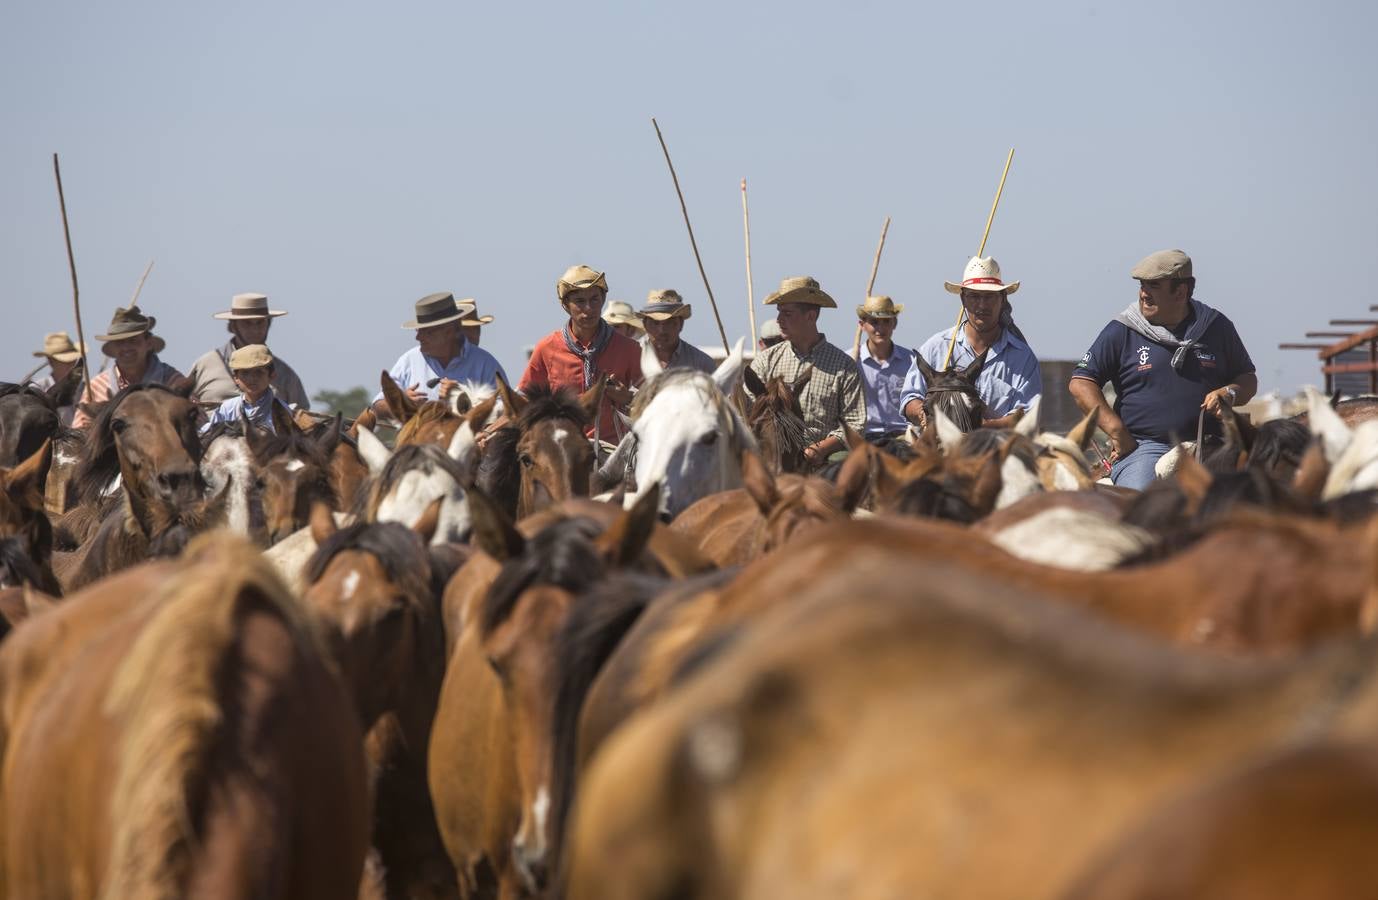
110	382
833	395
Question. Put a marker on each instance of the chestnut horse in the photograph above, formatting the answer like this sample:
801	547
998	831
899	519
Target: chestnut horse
179	731
294	471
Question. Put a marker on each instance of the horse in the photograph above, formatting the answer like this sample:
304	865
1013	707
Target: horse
542	456
685	435
179	731
777	420
375	588
26	535
953	392
491	759
28	418
941	738
294	471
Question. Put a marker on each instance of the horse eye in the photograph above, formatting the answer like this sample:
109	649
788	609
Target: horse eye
527	460
709	439
258	484
118	425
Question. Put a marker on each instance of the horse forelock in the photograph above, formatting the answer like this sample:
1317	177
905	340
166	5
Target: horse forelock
563	554
545	403
397	548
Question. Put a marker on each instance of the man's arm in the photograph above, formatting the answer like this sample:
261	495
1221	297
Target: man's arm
1244	388
853	403
1089	396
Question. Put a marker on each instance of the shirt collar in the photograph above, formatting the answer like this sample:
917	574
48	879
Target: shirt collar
822	339
1006	340
896	353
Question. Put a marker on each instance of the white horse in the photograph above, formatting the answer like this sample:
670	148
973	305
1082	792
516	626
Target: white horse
1351	452
685	434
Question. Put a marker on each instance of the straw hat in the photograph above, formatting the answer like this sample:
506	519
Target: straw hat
665	304
982	274
58	345
251	356
469	307
1163	264
802	289
435	309
249	306
579	277
881	307
619	312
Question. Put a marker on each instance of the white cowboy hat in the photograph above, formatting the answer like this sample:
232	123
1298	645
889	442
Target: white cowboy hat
982	274
249	306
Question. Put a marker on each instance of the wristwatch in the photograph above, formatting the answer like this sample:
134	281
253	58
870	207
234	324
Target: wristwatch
1234	394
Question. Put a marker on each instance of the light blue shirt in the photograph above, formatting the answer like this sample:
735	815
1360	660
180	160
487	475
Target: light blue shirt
472	364
260	413
883	383
1008	381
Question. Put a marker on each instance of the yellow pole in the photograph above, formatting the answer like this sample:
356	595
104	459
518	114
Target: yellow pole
750	300
961	310
870	286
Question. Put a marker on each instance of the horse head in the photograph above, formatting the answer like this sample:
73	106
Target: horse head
24	524
543	457
147	432
293	471
792	504
953	392
777	420
406	481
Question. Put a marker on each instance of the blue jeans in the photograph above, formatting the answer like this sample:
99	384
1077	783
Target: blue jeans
1136	469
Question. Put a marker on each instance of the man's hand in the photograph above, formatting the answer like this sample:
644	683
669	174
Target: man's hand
1122	443
813	456
415	395
1217	399
446	385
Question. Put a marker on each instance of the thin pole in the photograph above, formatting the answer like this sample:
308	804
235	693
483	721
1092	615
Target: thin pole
72	264
692	243
28	376
750	298
870	286
961	310
139	290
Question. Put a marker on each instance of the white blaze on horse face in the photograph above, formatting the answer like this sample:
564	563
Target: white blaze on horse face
415	491
540	811
688	441
228	459
295	465
351	584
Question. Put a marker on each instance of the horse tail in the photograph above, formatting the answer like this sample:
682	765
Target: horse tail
167	695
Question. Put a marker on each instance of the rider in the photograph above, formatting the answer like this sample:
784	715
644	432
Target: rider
884	365
620	315
663	317
472	323
249	319
62	356
135	349
252	366
442	357
1009	380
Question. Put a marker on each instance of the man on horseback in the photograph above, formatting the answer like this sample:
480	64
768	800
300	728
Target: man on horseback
1171	359
833	396
884	365
577	355
62	355
253	374
135	348
663	317
249	319
1009	379
442	358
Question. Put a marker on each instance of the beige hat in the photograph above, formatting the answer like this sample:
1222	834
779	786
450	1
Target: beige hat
435	309
982	274
665	304
619	312
801	289
58	345
127	323
251	356
469	307
881	307
249	306
577	278
1163	264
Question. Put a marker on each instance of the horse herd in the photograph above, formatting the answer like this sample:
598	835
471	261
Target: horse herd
494	660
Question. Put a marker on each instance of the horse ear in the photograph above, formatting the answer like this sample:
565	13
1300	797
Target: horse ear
1193	478
929	373
854	440
283	423
650	363
372	451
36	601
1335	399
728	374
988	482
26	481
1028	423
890	478
949	435
1309	481
854	479
367	418
493	532
1326	424
1083	431
1234	436
64	392
753	383
592	398
973	370
759	484
512	402
322	522
331	434
463	449
430	519
625	540
399	404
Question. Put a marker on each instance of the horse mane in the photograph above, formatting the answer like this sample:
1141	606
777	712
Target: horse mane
100	459
397	548
499	473
170	691
562	554
8	388
403	460
430	411
545	403
1279	446
934	498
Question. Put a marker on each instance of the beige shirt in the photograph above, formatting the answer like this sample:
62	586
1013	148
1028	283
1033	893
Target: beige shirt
211	380
833	395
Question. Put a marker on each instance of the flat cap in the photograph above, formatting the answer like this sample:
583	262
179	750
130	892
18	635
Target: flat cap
1163	264
251	356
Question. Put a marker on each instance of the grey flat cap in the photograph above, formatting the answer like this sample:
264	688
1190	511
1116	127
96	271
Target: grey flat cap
1163	264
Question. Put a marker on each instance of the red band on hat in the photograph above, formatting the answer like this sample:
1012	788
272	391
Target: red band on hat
982	281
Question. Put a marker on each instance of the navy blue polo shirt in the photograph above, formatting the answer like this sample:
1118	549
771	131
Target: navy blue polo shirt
1154	401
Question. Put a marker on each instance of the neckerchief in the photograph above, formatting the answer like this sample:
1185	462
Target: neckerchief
600	340
1135	321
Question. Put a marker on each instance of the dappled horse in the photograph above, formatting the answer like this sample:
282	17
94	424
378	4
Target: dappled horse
179	731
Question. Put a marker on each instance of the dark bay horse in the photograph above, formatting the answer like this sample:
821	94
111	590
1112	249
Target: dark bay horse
777	420
26	535
179	731
953	392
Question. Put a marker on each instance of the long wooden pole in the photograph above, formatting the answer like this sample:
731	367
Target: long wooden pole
72	264
961	310
140	289
692	243
750	297
870	286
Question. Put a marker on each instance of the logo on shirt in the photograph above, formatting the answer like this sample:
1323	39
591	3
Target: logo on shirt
1085	360
1144	364
1205	358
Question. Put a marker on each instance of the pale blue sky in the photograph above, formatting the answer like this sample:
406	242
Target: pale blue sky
347	158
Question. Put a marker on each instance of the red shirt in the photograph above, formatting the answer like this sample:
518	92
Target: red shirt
553	364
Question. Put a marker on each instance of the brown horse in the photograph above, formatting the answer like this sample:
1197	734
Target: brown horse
376	590
952	392
777	420
294	472
491	759
26	535
179	732
899	727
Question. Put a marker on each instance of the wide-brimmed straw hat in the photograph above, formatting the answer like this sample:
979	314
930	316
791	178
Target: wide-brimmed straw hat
249	306
127	323
469	307
577	278
982	274
665	304
435	309
881	307
58	345
801	289
619	312
251	356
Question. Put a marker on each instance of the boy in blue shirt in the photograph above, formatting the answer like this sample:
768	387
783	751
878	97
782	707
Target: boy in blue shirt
252	369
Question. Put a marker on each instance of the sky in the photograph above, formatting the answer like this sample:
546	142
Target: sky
347	158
